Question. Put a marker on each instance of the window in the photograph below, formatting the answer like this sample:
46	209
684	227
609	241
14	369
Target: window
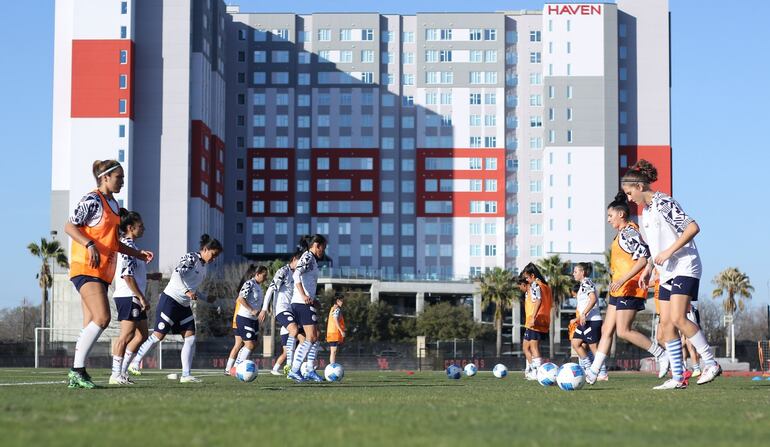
346	56
475	98
407	57
407	251
535	78
511	37
535	100
475	120
367	34
535	121
258	206
445	56
124	7
490	250
122	131
535	164
551	114
490	141
490	229
279	185
123	56
569	136
491	164
324	35
303	186
367	56
534	36
279	56
407	37
260	35
535	186
280	35
446	98
407	229
123	81
475	142
490	185
259	77
536	207
475	34
551	136
387	208
123	32
280	77
257	163
534	57
346	34
279	164
122	106
475	250
490	56
569	92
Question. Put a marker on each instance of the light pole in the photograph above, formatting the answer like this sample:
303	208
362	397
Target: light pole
53	282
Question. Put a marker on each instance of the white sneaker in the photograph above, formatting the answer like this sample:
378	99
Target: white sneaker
275	373
190	379
671	384
119	380
602	377
591	376
663	365
531	375
710	373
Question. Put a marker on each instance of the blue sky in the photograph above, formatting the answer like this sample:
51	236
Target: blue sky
720	98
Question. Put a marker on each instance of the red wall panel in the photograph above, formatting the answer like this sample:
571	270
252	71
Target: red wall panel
96	71
659	156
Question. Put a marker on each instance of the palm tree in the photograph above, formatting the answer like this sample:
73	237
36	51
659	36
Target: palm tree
47	252
556	273
732	282
498	288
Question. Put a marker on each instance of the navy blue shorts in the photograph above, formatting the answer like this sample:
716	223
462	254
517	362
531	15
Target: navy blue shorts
590	333
680	285
285	318
305	314
247	328
173	317
531	334
627	303
334	344
284	339
79	280
129	309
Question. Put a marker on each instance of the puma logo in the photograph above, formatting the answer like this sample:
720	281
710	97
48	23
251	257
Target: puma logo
677	285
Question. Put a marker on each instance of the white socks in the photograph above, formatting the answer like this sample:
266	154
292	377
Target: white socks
299	357
598	363
290	341
674	351
277	366
117	364
230	364
656	350
88	337
188	350
311	355
701	345
144	349
243	354
126	361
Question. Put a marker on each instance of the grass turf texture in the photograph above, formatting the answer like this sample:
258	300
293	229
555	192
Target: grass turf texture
379	408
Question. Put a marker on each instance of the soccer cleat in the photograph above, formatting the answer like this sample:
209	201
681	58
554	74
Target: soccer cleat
710	373
696	372
663	365
128	380
190	379
602	377
120	380
532	375
226	372
275	372
313	376
134	370
295	376
286	369
76	380
671	384
591	376
687	374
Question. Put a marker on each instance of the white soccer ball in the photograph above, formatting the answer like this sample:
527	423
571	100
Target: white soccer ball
453	371
334	372
306	368
470	370
571	377
500	371
546	374
246	371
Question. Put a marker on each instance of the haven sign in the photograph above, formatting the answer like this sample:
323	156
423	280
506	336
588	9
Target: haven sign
574	10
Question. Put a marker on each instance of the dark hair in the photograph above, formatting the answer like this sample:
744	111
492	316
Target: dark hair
307	241
531	269
641	172
128	218
260	269
586	267
339	296
620	204
317	239
576	287
521	280
209	243
247	275
101	166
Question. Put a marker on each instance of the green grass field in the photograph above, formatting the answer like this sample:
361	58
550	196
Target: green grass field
379	408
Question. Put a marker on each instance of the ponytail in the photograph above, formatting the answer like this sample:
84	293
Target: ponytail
620	204
641	172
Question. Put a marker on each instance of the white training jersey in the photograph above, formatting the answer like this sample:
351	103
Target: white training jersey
129	266
88	212
251	291
584	296
306	274
281	289
663	222
188	275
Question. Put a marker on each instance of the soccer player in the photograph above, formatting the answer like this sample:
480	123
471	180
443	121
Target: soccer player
670	233
628	256
93	227
304	306
174	312
237	343
130	303
335	327
589	317
280	292
537	307
250	300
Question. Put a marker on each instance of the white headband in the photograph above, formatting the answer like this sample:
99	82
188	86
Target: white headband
109	170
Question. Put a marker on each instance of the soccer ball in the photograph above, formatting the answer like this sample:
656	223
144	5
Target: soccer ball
453	372
546	374
306	368
571	377
500	371
246	371
334	372
470	370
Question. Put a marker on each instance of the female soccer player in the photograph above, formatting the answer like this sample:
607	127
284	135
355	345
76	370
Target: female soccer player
238	341
589	316
250	301
130	303
537	307
670	232
335	327
628	256
174	312
281	288
304	305
93	227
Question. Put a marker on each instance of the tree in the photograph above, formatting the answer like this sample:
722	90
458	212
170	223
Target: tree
732	282
556	272
444	321
602	275
47	252
498	288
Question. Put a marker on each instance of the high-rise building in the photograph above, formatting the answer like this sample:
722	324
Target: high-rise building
428	146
